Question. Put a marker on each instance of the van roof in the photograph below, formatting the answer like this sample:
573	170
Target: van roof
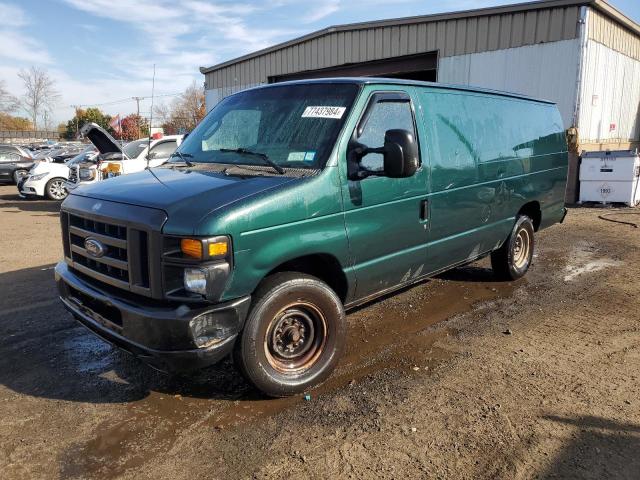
415	83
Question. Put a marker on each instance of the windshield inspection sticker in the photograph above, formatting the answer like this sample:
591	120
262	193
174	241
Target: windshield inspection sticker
323	112
296	157
301	156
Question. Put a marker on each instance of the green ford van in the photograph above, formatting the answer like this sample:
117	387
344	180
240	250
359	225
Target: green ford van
291	203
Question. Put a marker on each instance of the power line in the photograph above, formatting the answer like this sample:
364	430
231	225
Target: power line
125	100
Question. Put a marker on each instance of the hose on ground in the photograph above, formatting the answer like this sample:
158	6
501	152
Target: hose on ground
606	218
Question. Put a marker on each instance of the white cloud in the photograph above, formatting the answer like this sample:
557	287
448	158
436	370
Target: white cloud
89	27
323	10
15	45
12	16
140	11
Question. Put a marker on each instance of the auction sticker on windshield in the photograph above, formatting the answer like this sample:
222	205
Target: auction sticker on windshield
323	112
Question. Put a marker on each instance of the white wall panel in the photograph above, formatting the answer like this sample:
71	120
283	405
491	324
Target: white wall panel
547	70
610	96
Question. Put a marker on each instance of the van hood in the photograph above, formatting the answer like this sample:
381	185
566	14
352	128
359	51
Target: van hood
187	196
97	135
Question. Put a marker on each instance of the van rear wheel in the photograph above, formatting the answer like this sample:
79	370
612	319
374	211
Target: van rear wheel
294	335
512	260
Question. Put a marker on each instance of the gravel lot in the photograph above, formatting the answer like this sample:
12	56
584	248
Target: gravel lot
459	377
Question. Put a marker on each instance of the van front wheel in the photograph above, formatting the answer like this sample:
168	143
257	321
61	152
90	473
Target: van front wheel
294	335
512	260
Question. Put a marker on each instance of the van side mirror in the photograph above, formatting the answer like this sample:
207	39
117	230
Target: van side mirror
152	155
400	153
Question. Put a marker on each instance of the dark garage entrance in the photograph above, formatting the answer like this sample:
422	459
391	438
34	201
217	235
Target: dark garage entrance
423	66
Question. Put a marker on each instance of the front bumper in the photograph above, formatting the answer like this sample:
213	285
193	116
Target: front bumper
28	188
160	336
70	185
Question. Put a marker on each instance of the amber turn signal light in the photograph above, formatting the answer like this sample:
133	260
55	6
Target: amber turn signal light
218	249
191	247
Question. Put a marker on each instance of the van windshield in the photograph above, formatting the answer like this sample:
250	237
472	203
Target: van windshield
295	126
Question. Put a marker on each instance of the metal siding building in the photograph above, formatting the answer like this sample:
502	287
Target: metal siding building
582	54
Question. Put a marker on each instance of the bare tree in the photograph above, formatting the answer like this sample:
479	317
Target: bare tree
40	93
184	112
8	103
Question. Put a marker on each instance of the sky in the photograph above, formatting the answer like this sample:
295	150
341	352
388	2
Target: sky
102	52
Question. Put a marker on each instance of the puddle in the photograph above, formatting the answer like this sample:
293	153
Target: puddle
87	353
583	259
395	333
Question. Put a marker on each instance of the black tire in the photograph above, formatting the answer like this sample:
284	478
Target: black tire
18	174
54	189
512	260
287	309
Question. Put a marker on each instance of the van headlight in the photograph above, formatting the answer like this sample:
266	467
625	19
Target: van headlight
87	174
195	280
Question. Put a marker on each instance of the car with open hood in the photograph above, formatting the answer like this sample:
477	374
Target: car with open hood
115	159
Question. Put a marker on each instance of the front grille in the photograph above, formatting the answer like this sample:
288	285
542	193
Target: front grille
124	262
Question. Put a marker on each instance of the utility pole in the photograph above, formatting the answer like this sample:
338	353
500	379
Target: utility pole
76	108
137	99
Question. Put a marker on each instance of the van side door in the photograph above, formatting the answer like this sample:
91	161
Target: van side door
385	218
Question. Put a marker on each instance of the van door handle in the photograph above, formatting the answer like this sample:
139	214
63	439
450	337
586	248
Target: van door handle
424	210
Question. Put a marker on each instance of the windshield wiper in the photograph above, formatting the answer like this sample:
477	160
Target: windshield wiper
183	157
263	156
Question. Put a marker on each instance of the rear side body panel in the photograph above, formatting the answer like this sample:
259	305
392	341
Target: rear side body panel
489	155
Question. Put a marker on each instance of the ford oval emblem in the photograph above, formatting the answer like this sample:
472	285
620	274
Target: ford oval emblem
94	247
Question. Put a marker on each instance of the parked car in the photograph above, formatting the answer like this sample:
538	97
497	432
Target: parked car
48	179
14	165
19	149
115	159
292	202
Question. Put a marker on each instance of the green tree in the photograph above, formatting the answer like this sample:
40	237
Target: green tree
81	117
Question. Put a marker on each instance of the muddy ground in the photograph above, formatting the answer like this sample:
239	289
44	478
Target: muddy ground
458	377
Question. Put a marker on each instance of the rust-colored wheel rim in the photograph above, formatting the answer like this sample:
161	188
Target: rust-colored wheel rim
522	248
295	338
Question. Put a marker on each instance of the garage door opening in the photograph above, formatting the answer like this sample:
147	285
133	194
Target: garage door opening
410	67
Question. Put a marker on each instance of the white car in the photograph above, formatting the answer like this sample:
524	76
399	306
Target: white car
47	179
115	160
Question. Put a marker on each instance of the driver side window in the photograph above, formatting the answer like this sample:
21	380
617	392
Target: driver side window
385	115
